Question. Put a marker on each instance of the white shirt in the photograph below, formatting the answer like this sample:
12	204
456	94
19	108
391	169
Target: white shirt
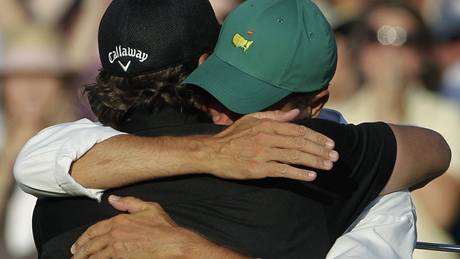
386	229
42	166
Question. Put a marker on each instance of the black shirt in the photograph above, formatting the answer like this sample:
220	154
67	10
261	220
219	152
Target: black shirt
268	218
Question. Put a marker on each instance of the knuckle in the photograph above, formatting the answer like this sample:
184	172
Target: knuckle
156	206
275	170
299	142
118	246
265	123
261	137
116	233
300	174
319	162
252	167
84	249
283	170
90	233
119	219
294	156
302	131
254	130
256	115
325	152
129	199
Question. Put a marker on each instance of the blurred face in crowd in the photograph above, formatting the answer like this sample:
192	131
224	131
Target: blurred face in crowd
29	96
345	80
389	54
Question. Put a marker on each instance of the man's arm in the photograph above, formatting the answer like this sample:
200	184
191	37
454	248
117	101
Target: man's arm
422	155
145	232
254	147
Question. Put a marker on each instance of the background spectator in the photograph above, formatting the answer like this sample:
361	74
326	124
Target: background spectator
394	53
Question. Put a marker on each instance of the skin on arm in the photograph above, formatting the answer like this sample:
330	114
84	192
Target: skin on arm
254	147
422	155
146	231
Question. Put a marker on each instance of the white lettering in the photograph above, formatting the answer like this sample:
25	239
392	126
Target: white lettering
127	52
144	57
112	56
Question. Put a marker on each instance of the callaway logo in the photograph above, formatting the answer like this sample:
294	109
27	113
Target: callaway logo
126	52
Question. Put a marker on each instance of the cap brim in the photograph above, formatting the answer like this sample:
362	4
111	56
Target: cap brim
236	90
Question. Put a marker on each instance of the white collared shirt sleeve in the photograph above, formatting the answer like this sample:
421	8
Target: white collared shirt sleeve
385	229
42	166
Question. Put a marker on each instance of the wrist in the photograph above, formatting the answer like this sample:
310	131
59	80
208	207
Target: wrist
202	155
189	155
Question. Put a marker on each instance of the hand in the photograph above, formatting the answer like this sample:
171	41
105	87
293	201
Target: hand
263	145
145	232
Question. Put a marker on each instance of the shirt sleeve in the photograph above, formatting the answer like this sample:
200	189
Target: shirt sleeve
367	157
385	229
42	166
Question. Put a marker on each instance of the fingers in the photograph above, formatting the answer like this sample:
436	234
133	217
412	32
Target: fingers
303	145
294	130
91	248
275	121
129	204
94	231
295	157
276	115
134	205
318	138
286	171
157	215
106	253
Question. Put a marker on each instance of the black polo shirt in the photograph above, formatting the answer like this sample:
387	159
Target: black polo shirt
268	218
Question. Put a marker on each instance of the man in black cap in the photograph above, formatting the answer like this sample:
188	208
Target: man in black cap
272	218
133	44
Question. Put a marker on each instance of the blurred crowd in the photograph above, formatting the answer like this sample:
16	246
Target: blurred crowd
399	61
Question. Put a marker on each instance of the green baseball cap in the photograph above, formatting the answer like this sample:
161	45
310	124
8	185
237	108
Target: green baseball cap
268	49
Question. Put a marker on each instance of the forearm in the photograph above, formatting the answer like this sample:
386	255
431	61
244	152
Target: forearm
71	158
205	249
422	155
127	159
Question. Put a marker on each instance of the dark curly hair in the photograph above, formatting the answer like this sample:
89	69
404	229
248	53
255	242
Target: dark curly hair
112	97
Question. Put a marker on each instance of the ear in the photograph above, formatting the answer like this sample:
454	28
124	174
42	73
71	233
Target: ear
218	117
318	102
203	58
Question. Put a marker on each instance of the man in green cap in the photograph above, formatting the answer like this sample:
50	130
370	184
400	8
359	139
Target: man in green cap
274	54
271	50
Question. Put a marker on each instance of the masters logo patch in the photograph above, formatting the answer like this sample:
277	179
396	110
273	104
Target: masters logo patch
240	42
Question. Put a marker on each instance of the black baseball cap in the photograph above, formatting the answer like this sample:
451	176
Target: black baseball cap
143	36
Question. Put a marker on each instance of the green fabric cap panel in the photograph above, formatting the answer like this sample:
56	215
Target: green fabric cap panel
292	48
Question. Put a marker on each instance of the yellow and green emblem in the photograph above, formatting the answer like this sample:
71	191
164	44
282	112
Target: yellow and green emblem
240	42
